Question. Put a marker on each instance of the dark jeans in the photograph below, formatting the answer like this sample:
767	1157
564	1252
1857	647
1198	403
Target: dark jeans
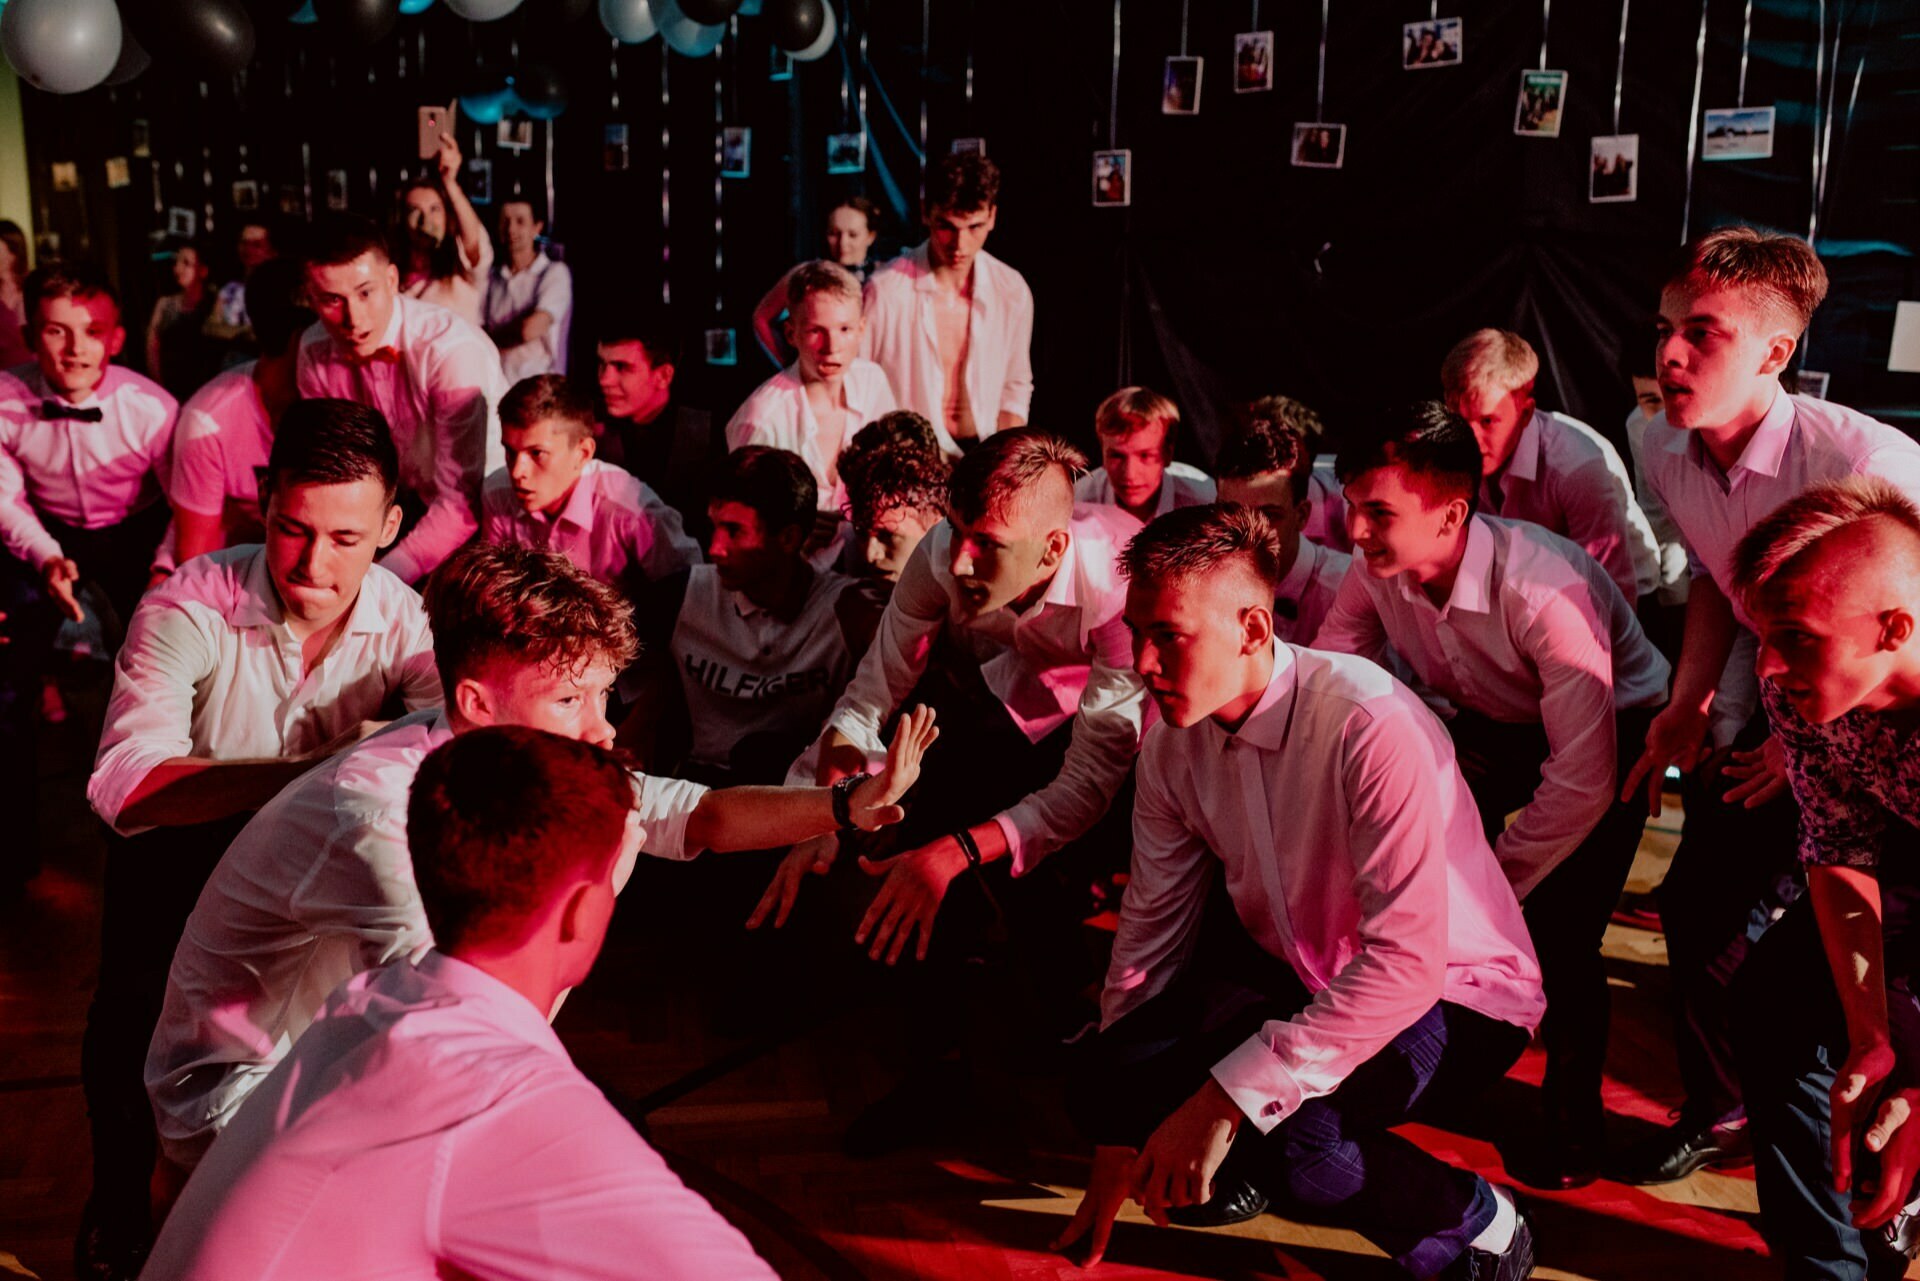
1335	1159
1568	911
1789	1038
152	883
1735	872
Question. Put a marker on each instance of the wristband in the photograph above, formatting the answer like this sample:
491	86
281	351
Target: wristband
842	793
969	847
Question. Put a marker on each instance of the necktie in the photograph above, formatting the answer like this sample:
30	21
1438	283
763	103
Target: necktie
51	409
384	356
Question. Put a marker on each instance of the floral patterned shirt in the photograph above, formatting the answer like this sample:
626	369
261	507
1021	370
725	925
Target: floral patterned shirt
1849	776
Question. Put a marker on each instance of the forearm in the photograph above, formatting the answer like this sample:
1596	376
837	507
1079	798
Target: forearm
1710	631
759	818
534	327
839	757
1846	905
193	789
196	534
448	523
472	233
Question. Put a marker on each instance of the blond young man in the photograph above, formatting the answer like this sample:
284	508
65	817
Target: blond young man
1137	473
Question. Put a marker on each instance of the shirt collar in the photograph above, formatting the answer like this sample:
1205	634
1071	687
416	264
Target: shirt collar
1472	582
260	605
580	505
1525	462
1266	727
110	377
508	1010
1765	448
504	268
982	282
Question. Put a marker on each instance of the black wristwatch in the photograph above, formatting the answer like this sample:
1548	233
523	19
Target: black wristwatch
843	799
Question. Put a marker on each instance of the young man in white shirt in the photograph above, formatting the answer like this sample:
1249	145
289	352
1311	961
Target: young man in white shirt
1267	465
1327	519
83	459
1730	446
555	495
896	479
1545	467
318	886
814	406
430	1121
1374	964
226	430
529	303
1137	472
434	377
238	673
666	443
950	323
1007	618
1551	682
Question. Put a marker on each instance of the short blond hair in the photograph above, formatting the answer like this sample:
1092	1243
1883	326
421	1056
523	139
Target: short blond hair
1806	520
821	277
1781	272
1489	360
1130	409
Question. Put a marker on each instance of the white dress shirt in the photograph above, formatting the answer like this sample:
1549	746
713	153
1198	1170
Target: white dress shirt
1672	588
613	527
210	668
1566	477
1351	849
1533	632
1800	442
86	474
1068	657
439	399
1182	485
779	416
316	888
1309	588
1327	522
220	450
901	339
512	296
430	1124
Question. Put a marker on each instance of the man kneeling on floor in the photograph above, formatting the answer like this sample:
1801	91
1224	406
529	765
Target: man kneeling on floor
430	1121
1380	964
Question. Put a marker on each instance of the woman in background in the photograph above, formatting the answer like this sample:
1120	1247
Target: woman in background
438	263
852	227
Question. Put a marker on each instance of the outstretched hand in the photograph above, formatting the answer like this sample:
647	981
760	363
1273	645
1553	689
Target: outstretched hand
874	802
1762	773
1092	1224
1676	736
910	899
812	857
1896	1137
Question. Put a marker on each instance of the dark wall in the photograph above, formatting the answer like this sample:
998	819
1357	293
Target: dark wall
1231	275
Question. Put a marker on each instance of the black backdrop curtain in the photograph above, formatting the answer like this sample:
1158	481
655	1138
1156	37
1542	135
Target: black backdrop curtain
1231	275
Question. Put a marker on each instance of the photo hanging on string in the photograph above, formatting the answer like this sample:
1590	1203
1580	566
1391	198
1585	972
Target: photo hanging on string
1438	42
1543	96
846	153
479	183
968	147
1319	146
183	224
1253	62
1112	179
1811	382
722	349
119	173
246	194
138	144
1615	173
515	135
1738	133
66	175
736	151
1180	91
293	200
614	156
337	190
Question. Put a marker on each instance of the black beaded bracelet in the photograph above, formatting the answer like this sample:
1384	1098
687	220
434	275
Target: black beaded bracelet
842	791
968	846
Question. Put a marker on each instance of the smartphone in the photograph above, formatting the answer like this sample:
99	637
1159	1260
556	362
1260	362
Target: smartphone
436	122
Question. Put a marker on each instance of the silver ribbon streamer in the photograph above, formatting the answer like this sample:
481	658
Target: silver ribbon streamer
666	183
926	44
1746	39
1546	12
1693	124
719	184
1183	28
1620	68
1320	92
1113	94
553	212
1819	85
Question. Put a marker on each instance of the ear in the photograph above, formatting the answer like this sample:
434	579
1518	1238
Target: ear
791	539
664	373
1303	512
1459	512
575	911
390	527
1896	629
1780	349
392	274
589	446
1057	543
1256	629
116	340
471	700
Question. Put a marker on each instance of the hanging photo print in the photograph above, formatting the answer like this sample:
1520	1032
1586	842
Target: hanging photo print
182	223
66	175
246	194
1436	43
119	174
1543	95
479	182
1738	133
1180	92
1112	179
138	144
736	149
1811	382
614	156
721	347
846	153
1615	175
515	135
1319	146
337	189
1253	62
968	147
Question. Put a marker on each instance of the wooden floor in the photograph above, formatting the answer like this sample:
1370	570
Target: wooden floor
753	1119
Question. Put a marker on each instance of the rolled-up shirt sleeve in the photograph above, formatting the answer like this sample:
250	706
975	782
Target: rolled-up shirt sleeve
459	419
1400	876
1166	896
665	805
20	529
150	714
901	646
1106	735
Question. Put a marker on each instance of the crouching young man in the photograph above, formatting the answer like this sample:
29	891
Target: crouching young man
1380	961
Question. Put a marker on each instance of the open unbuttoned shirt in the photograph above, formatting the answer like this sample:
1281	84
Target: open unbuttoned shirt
779	416
430	1124
1351	849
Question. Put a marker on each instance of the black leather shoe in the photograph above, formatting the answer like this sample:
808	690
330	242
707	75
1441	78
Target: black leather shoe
1682	1148
1514	1264
1235	1201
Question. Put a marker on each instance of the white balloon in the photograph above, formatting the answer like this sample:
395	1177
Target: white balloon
822	42
62	46
628	21
483	10
683	34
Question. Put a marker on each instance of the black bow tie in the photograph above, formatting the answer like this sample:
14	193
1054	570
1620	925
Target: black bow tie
1286	608
50	409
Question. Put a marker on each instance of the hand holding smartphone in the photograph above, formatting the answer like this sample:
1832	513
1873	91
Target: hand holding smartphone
436	122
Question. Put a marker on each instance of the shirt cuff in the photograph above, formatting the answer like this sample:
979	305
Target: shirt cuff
114	780
1259	1086
665	806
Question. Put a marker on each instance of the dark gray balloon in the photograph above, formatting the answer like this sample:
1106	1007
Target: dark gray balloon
209	37
793	24
357	21
709	13
133	61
